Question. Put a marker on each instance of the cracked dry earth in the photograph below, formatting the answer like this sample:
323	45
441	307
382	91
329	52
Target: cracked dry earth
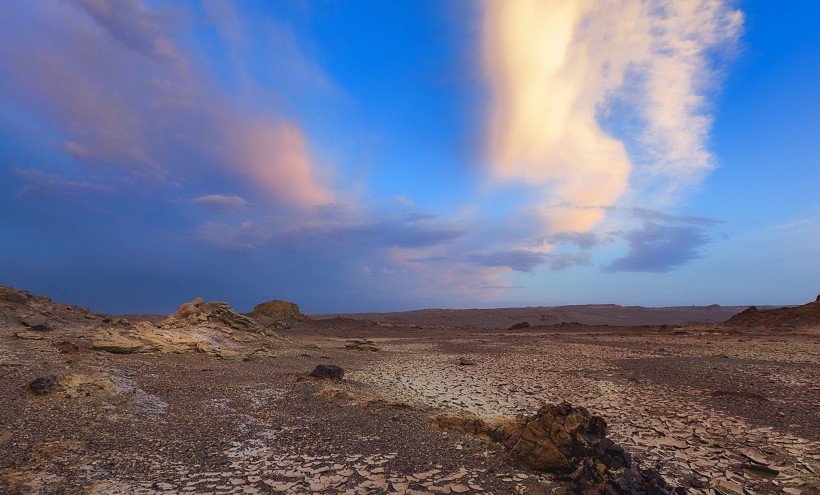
713	412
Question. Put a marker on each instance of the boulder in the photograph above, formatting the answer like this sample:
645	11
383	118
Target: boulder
35	321
564	439
328	372
548	441
465	361
362	345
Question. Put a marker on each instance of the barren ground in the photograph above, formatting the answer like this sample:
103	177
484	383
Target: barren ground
705	404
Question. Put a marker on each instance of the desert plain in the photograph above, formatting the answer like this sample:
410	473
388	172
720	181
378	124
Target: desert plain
703	400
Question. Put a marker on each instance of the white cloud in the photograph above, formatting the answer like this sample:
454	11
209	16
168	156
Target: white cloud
557	69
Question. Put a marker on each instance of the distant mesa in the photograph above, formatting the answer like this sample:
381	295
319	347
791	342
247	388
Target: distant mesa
798	316
277	314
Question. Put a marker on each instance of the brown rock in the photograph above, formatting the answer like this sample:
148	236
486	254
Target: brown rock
362	345
277	314
220	315
113	341
11	295
36	321
547	441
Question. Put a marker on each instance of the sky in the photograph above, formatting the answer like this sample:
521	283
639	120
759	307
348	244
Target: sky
353	155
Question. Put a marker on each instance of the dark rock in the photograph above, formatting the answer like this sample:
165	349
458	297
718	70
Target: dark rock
44	385
465	361
565	439
67	347
519	326
328	372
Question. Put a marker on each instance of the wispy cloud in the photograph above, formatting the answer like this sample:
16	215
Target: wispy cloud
556	70
53	187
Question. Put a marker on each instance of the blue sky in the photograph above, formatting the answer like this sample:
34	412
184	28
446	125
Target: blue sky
368	155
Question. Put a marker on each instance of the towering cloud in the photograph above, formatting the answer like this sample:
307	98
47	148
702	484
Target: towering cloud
567	76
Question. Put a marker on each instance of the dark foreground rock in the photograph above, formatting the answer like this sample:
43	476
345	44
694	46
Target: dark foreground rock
328	371
564	439
44	385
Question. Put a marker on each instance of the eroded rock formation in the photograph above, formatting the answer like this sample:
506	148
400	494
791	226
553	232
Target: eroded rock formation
565	439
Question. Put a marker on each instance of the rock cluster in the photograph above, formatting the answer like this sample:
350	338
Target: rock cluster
564	439
213	328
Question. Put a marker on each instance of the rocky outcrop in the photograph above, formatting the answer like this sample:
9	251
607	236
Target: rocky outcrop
277	314
216	315
564	439
799	316
211	328
11	295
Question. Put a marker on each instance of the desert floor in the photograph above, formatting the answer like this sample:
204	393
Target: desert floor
714	409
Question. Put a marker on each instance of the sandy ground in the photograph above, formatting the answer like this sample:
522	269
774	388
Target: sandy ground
709	406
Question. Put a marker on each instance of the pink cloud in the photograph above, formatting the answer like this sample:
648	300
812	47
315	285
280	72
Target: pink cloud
110	79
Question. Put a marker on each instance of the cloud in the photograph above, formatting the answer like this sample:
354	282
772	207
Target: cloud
561	73
660	248
110	78
48	186
519	260
584	240
562	261
218	202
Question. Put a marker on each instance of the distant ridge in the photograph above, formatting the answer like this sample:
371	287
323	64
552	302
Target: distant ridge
587	314
805	315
